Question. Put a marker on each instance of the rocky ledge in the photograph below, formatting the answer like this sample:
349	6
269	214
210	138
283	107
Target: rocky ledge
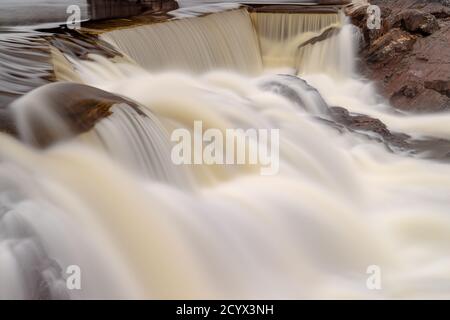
409	56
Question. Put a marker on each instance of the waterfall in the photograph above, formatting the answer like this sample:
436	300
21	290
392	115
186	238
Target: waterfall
329	56
110	199
217	41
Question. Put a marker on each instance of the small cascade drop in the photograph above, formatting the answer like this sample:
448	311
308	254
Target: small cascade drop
224	40
139	142
334	56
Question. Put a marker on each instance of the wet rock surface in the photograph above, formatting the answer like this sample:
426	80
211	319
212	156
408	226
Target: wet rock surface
417	21
76	107
374	129
409	57
26	60
299	92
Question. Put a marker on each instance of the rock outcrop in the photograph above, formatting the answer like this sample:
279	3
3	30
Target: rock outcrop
409	56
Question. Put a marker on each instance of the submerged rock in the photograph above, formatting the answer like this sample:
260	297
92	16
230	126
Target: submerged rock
60	110
371	127
27	61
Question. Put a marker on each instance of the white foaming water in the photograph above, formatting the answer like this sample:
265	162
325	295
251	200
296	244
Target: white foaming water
339	204
281	34
361	97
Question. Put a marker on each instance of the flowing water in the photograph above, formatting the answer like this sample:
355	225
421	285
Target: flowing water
110	200
17	12
216	41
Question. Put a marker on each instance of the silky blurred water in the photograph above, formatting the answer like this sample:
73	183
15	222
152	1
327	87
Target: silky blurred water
111	201
26	12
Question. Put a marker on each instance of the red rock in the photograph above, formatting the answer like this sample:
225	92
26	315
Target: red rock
409	57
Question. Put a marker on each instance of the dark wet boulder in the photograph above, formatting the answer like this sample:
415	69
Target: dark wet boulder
415	20
441	86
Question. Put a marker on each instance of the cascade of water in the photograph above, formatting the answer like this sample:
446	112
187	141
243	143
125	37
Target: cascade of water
325	212
217	41
17	12
298	91
339	203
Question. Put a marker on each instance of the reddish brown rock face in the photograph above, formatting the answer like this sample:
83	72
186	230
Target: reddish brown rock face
79	107
419	21
390	46
409	57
